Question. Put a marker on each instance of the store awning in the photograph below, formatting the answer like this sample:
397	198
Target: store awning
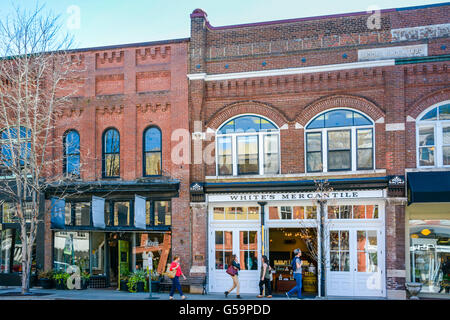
428	186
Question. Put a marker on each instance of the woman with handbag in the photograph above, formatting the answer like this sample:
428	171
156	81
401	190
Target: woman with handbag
265	278
233	268
175	266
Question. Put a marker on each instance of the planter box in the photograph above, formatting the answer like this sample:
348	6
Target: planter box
60	285
46	283
140	286
155	286
123	285
84	284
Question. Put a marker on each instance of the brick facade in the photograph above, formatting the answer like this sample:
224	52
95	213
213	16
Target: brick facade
130	88
240	57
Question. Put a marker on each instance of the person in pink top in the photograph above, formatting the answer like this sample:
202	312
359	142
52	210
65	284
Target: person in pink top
176	280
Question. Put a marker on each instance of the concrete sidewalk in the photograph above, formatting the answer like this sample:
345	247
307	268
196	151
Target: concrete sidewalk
112	294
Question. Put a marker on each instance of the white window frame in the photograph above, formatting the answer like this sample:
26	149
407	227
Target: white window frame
234	151
438	126
353	141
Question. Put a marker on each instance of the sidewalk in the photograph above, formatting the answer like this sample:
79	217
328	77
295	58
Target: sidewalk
112	294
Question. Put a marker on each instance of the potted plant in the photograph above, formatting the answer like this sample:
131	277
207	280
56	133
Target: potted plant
155	281
124	277
136	281
61	280
46	279
85	276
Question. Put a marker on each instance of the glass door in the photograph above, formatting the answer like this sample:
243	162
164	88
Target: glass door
355	263
245	244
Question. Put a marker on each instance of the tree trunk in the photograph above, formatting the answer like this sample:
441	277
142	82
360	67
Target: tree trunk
25	259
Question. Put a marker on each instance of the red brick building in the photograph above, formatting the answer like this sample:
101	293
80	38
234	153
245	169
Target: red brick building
280	104
117	137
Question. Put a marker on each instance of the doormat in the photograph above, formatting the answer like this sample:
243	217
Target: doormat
18	294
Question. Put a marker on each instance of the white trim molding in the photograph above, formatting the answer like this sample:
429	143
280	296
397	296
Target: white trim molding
395	126
380	120
197	76
298	126
284	127
410	119
291	71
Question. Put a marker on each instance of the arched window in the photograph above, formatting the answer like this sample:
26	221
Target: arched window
72	153
111	154
339	140
16	146
433	136
248	145
152	152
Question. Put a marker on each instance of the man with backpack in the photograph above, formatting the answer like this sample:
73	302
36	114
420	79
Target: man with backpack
297	269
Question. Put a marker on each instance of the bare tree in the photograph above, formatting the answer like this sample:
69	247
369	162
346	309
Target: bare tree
36	83
316	238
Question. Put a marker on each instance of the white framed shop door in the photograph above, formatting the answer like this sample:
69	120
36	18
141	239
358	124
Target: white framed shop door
243	242
356	258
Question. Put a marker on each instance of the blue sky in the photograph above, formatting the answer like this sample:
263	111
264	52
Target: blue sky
112	22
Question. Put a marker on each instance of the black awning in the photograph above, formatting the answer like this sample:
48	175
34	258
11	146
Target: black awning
428	186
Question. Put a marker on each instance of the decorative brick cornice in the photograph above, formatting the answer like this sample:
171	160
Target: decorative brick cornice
427	101
153	107
110	109
339	101
70	112
242	107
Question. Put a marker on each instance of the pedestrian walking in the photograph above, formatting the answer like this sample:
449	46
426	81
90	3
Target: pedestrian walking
176	280
233	269
265	278
297	269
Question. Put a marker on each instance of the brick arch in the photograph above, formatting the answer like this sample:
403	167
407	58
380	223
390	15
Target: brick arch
424	103
339	101
237	108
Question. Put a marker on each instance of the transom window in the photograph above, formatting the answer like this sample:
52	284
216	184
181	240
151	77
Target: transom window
433	136
339	140
292	212
72	153
111	154
248	145
236	213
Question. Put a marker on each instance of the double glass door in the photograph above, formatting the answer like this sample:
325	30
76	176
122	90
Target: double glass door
356	261
245	244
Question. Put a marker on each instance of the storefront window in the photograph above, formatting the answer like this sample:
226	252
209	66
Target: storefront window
339	251
248	249
289	213
98	253
6	241
9	212
71	248
146	242
224	248
236	213
162	213
82	213
430	254
121	213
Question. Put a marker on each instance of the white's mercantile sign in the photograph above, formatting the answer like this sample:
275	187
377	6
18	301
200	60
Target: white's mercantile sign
289	196
420	50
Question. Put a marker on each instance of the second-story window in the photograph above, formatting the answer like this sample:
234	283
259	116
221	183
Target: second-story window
433	136
15	147
248	145
111	154
152	152
72	153
339	140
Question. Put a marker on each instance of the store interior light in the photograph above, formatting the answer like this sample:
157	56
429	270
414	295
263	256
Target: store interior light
425	232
